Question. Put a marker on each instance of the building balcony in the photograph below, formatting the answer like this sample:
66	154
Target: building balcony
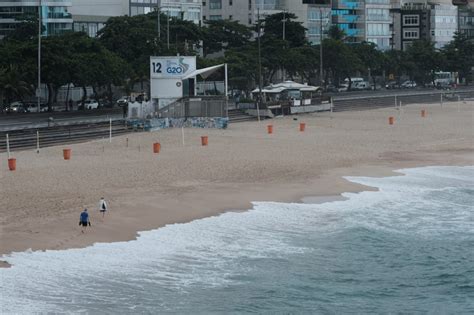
347	4
353	32
349	18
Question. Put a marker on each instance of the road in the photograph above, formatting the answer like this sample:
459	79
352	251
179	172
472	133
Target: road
383	92
39	120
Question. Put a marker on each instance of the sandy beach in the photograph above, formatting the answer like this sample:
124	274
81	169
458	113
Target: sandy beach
41	201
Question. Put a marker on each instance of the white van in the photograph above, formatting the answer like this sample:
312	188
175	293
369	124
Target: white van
353	80
361	85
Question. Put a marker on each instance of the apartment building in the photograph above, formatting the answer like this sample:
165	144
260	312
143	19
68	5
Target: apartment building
377	23
466	20
55	14
90	15
189	10
311	13
435	20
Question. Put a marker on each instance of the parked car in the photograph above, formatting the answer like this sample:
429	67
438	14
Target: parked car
444	86
91	104
408	85
391	85
343	87
105	103
331	88
122	101
33	108
16	107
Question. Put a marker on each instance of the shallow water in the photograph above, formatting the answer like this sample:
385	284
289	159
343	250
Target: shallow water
407	248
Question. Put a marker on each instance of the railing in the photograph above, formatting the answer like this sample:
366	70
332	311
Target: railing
349	18
206	106
347	4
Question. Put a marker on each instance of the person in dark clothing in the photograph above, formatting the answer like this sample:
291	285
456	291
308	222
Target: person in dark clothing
125	110
84	220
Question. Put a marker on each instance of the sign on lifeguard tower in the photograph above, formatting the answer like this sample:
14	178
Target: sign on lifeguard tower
167	78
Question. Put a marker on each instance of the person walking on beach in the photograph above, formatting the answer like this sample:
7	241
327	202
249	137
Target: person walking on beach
84	220
103	206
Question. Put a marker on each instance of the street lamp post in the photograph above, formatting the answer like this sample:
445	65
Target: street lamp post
259	67
158	10
321	47
158	18
284	38
38	91
168	30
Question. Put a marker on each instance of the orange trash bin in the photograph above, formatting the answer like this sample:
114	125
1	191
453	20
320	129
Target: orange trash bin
270	129
67	154
156	147
302	127
391	120
204	140
423	113
12	164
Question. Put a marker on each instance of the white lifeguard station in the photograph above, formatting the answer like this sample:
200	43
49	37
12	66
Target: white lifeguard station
175	77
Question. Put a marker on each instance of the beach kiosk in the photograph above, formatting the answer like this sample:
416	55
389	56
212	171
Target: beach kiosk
290	97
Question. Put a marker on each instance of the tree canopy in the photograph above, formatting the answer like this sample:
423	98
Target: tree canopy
120	54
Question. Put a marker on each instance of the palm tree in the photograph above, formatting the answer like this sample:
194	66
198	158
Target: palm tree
12	85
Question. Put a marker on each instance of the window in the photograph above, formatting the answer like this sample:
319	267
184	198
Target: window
215	4
230	2
378	15
378	29
230	17
411	20
215	17
411	34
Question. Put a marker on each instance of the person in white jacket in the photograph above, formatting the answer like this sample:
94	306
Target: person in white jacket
103	207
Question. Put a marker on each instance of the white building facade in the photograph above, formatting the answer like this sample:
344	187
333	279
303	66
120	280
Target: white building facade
90	15
56	16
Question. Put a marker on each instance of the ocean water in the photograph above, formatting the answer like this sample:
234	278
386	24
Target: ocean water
407	248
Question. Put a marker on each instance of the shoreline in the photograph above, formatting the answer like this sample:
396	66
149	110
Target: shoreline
173	188
293	197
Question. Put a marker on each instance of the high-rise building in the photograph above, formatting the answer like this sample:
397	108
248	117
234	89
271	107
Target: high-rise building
90	15
361	20
310	13
435	20
377	23
189	10
466	19
444	22
56	17
348	15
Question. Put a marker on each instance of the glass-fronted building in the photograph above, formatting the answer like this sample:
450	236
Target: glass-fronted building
377	23
444	23
189	10
318	23
466	20
55	15
349	16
